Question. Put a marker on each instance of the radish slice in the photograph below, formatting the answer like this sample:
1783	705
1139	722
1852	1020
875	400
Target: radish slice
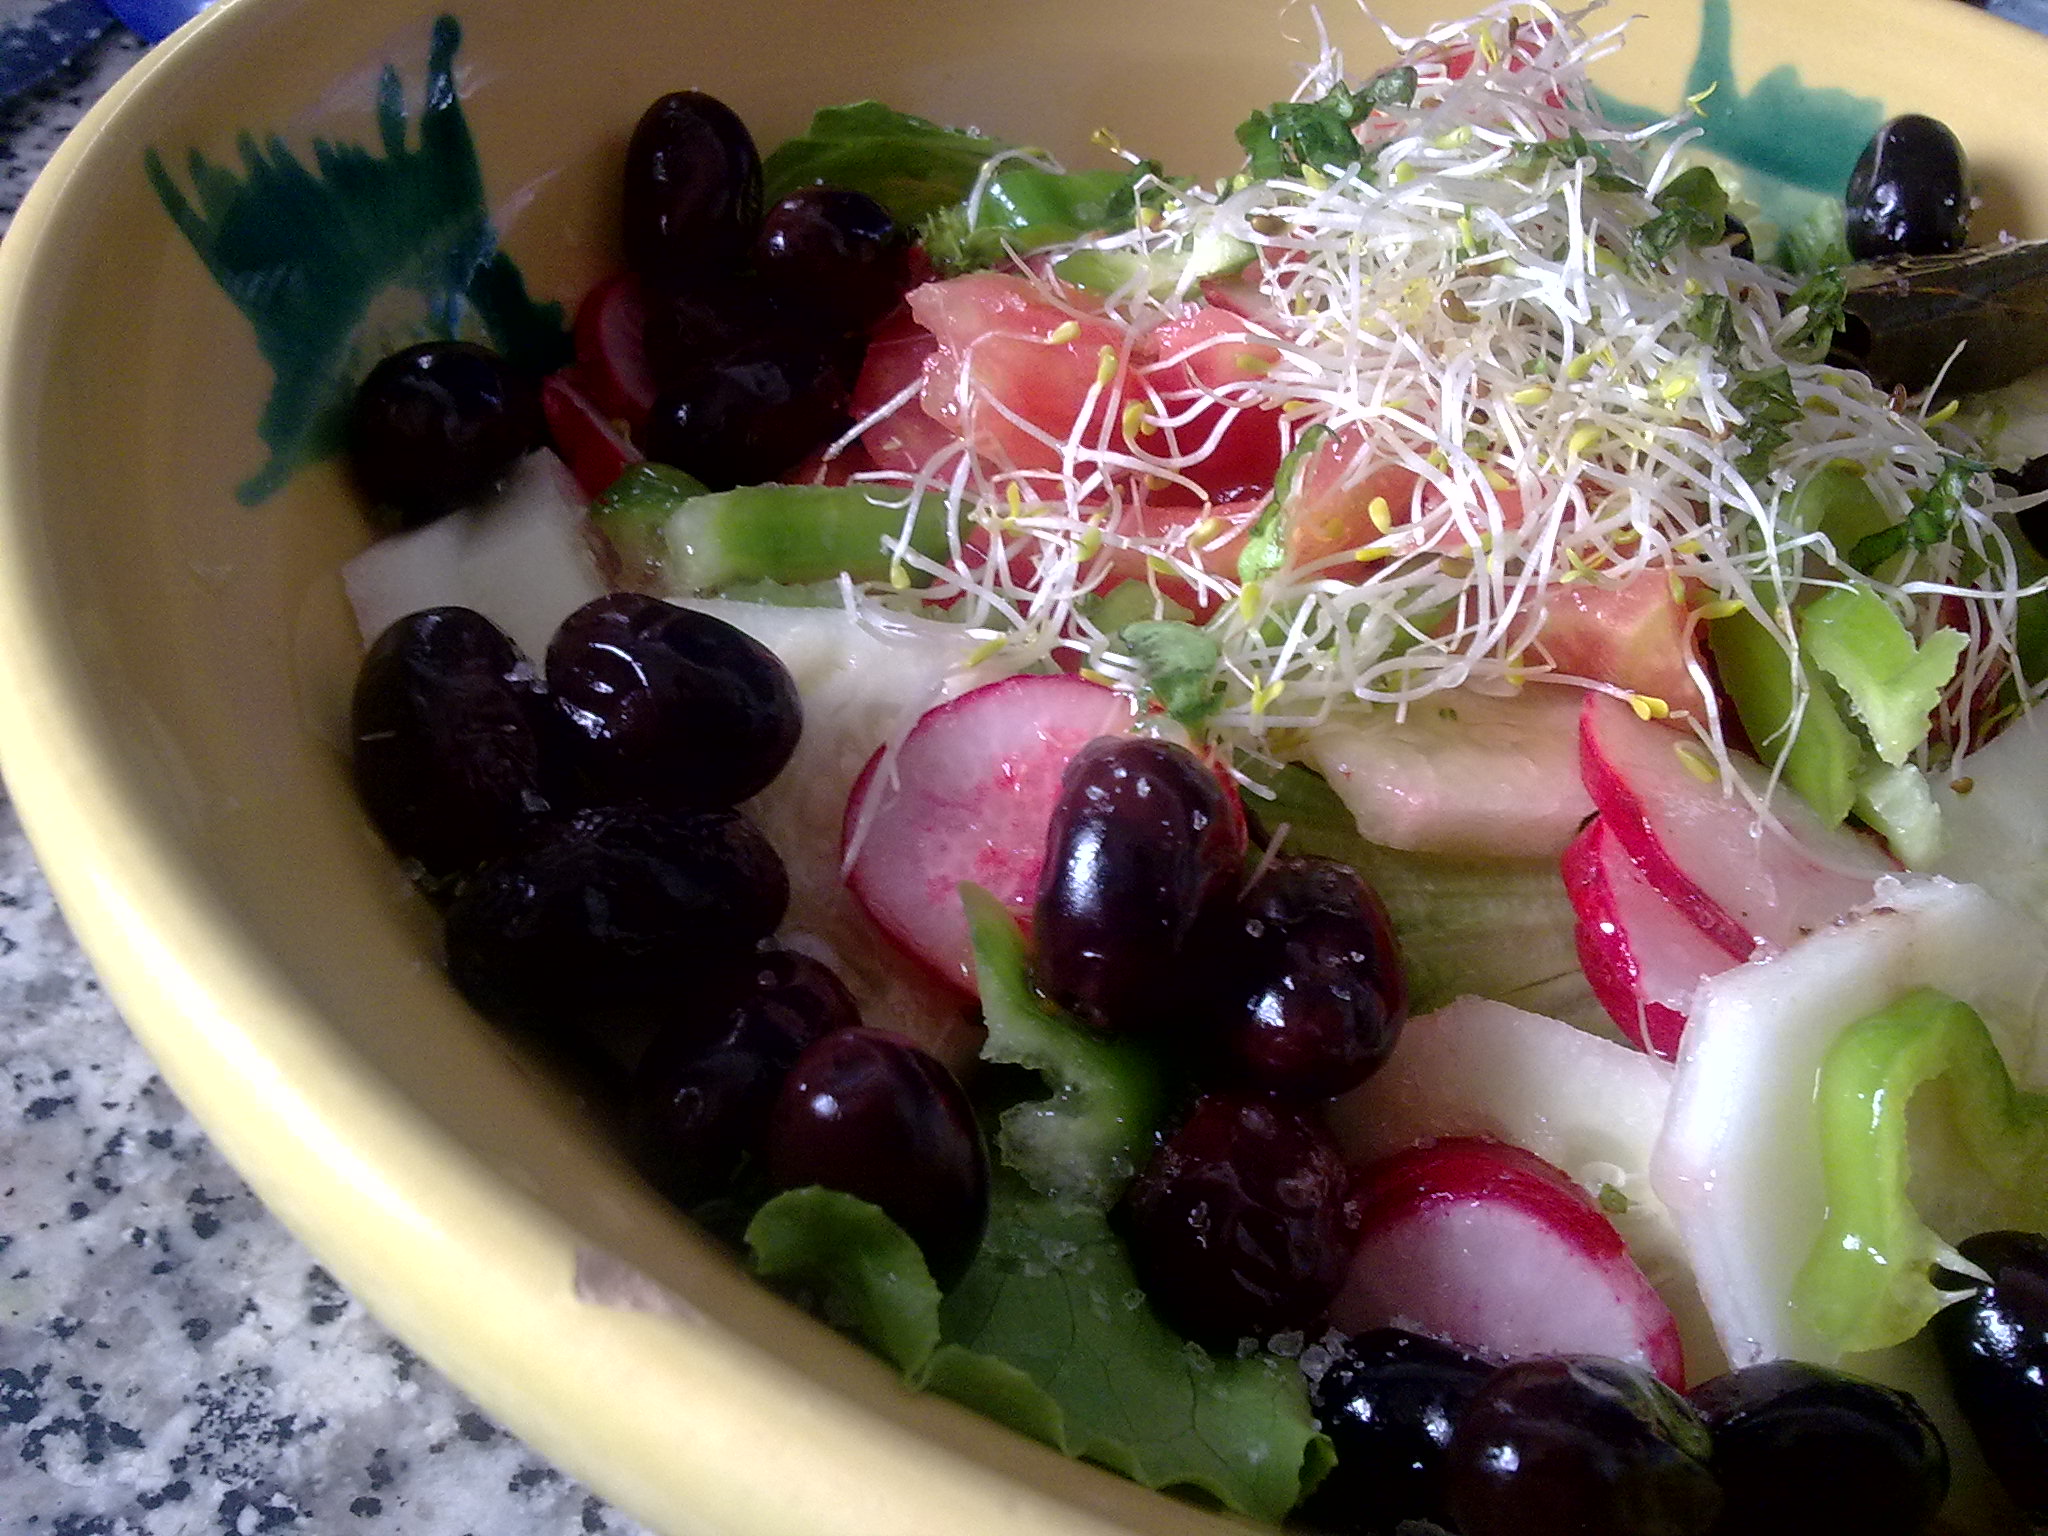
1741	878
968	797
589	442
611	350
1739	1162
1463	773
1641	954
1493	1249
1590	1106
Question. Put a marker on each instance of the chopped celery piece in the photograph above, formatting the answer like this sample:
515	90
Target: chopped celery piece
1891	683
1822	756
633	510
793	534
1162	274
1086	1138
1866	1284
1130	602
1897	803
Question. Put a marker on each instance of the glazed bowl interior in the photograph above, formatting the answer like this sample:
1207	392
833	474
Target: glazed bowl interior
179	655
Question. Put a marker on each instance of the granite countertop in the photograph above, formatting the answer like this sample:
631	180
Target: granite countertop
172	1362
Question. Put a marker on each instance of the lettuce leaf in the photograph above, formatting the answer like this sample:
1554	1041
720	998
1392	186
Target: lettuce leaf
1050	1335
911	166
1087	1137
1498	928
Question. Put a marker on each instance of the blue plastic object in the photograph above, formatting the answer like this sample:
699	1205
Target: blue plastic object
38	40
155	20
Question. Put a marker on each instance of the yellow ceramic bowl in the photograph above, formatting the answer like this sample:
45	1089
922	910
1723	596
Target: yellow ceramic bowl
173	656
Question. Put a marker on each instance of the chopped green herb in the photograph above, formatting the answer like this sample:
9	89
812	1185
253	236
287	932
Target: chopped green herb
1691	210
1712	319
1305	135
1823	296
1179	661
1934	513
1768	407
1265	547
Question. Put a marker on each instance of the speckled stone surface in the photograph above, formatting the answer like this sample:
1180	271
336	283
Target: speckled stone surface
172	1363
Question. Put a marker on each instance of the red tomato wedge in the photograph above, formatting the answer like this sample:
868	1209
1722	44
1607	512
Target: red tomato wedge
1200	365
1016	375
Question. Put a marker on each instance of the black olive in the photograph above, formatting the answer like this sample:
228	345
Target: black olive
1908	194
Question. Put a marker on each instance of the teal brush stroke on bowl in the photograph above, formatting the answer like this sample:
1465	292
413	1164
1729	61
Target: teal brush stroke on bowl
1802	139
365	251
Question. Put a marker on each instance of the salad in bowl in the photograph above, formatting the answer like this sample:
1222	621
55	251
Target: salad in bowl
1358	839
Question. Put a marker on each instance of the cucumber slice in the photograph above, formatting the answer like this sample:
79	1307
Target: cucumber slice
1740	1160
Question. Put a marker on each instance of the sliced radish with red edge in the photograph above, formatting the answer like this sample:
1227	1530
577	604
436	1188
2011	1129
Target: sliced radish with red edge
1739	877
968	797
588	441
1491	1248
1642	956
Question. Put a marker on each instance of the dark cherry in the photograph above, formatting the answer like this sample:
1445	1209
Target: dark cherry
836	255
668	705
1800	1448
1308	996
1143	846
601	920
437	426
1388	1400
1909	193
692	189
754	413
1578	1445
1995	1345
448	725
699	1101
1241	1224
871	1114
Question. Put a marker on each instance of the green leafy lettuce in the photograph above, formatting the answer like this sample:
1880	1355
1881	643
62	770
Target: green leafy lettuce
1866	1283
1050	1334
910	166
1025	208
1498	928
1084	1140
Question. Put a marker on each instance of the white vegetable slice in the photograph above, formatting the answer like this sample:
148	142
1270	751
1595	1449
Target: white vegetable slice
1738	1163
1464	773
1995	829
862	685
1588	1105
521	560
